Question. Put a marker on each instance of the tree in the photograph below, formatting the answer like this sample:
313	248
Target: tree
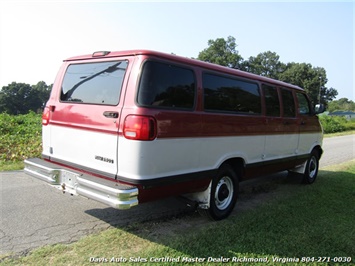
343	104
222	52
20	98
312	79
43	91
266	64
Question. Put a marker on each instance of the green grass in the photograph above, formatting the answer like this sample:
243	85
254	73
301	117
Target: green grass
295	221
11	165
344	133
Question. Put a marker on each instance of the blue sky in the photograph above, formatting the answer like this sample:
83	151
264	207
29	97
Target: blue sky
35	36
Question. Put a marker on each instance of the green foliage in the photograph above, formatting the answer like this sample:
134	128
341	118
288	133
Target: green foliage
20	98
222	52
310	78
266	64
343	104
350	125
333	124
20	136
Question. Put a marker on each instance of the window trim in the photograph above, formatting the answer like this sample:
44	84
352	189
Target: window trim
172	63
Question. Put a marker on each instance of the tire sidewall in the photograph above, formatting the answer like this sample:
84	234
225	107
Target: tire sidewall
307	178
214	212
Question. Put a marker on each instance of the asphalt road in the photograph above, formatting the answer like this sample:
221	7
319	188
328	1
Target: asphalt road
338	150
33	214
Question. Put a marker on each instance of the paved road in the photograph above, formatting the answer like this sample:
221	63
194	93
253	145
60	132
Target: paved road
338	150
33	214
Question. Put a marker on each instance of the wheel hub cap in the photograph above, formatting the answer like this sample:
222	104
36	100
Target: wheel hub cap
224	193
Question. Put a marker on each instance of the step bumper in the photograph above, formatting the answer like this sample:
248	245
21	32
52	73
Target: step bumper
111	193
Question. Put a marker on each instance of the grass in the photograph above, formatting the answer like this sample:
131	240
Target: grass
344	133
297	221
11	165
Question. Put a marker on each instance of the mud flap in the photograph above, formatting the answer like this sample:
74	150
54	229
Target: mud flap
202	198
300	169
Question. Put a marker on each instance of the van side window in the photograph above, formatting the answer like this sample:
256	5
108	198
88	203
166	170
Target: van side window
230	95
288	103
303	104
272	102
165	85
94	83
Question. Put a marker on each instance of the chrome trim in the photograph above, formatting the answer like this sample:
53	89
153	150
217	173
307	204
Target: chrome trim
105	191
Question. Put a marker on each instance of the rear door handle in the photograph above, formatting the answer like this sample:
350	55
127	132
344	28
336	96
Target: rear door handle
110	114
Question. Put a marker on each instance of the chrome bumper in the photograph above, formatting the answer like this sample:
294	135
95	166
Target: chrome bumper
111	193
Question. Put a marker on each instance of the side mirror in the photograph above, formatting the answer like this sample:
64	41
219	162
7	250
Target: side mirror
319	108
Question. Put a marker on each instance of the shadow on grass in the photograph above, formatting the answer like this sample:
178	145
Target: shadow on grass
274	216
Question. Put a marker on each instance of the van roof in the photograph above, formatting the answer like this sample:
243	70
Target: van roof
185	60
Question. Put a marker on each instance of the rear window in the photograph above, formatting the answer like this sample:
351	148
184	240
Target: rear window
165	85
94	83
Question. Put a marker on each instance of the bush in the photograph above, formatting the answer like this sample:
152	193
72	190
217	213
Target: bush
350	125
333	124
20	136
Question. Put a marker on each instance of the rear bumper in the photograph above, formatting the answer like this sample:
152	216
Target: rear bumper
111	193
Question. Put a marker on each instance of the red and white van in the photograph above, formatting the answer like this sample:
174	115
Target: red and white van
129	127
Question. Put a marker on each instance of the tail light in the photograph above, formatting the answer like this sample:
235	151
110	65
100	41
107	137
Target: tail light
45	116
139	127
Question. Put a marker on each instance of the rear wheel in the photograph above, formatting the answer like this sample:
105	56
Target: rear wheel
224	193
312	166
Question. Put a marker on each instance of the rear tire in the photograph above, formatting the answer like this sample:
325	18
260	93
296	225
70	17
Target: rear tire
224	193
312	166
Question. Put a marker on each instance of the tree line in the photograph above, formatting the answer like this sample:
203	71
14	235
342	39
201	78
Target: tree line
20	98
343	104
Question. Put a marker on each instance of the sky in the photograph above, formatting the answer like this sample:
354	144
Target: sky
36	36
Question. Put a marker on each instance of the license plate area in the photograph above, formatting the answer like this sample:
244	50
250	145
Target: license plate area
68	182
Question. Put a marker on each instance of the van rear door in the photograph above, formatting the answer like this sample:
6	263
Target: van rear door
85	119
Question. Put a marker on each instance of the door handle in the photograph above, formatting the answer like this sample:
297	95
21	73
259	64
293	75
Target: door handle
110	114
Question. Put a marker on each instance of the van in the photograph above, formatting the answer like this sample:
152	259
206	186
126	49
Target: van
129	127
